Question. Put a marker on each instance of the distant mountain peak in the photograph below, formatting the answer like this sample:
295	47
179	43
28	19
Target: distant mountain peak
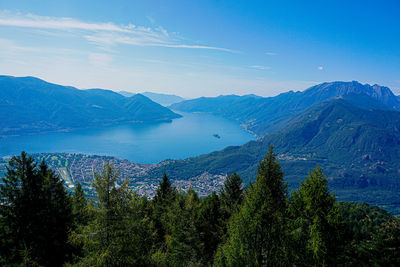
162	99
342	87
346	89
140	96
263	115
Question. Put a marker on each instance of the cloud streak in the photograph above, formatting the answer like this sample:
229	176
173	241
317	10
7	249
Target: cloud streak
103	33
32	21
258	67
196	47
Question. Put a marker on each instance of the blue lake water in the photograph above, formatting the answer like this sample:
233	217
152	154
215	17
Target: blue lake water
191	135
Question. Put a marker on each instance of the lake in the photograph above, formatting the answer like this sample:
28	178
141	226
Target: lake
191	135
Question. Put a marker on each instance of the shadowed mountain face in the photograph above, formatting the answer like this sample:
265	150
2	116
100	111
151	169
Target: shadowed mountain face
267	115
355	93
358	149
330	132
31	105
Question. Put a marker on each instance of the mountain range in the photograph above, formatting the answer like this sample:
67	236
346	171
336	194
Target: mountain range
350	130
31	105
264	115
360	143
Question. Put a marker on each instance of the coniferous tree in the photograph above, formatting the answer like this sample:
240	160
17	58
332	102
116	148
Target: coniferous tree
163	199
120	234
256	234
231	198
10	207
82	214
120	228
165	192
210	226
57	219
20	173
36	213
79	206
316	223
184	247
232	193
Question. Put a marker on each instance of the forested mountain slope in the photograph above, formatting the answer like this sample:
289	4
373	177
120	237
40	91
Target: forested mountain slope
357	149
31	105
267	115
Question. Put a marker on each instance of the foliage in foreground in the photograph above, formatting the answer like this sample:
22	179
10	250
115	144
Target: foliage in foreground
42	225
35	215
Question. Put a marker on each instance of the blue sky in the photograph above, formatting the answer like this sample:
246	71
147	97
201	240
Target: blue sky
196	48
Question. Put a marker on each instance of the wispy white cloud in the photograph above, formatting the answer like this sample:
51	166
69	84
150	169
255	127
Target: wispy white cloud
146	39
100	70
199	47
320	68
139	39
271	53
102	33
44	22
260	67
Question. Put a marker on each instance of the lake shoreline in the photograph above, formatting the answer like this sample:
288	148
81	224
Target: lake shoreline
188	136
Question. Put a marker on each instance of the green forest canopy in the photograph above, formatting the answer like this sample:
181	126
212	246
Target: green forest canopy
43	225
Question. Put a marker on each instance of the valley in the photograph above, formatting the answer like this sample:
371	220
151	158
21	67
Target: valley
265	115
80	168
349	129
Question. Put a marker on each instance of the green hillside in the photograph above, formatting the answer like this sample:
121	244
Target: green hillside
31	105
358	150
267	115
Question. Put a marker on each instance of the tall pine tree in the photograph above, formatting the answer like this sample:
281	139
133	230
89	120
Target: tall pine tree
316	223
256	234
36	214
232	193
120	234
231	198
184	247
210	226
165	196
79	206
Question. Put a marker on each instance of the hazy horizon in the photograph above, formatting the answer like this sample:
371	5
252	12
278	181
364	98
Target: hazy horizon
212	95
203	49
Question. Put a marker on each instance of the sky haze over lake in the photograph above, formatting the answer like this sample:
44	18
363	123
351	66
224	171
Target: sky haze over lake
196	48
